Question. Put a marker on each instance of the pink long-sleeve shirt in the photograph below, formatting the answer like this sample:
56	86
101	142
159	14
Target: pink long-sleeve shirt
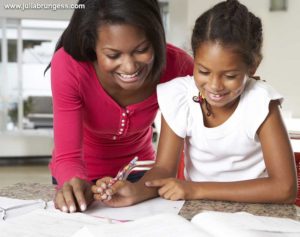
93	135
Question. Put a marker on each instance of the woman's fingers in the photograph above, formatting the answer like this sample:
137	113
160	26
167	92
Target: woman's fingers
73	194
60	202
79	194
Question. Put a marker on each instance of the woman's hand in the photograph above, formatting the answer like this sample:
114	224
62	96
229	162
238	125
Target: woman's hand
120	194
74	195
172	188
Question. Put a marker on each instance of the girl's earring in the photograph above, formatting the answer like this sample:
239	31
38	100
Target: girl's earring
199	99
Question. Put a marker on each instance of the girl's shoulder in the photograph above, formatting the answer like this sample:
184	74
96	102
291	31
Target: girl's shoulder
174	99
261	89
255	103
177	86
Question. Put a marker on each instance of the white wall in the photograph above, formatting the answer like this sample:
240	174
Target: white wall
281	50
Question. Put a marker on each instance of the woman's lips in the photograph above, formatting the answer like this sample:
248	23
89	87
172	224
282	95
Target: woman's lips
129	77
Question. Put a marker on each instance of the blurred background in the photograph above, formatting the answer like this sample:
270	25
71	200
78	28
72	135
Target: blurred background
28	37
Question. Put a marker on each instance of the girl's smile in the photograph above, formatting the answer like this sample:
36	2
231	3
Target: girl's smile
220	74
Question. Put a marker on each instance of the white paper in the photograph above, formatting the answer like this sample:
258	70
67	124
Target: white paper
47	223
17	207
245	224
140	210
166	225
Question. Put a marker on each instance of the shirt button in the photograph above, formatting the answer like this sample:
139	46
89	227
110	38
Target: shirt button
123	120
127	111
114	137
122	124
121	129
123	114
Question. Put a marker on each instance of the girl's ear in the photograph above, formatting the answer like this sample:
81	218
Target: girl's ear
253	69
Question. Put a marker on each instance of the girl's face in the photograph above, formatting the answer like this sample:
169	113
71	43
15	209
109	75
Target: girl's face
220	74
124	56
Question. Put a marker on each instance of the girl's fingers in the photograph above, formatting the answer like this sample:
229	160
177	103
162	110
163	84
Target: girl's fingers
156	183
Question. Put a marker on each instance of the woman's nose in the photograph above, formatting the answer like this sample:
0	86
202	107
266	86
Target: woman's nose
128	65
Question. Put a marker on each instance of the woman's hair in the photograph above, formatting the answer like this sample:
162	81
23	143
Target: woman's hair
80	37
232	25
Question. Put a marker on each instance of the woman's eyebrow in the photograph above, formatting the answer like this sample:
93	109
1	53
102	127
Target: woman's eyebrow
117	50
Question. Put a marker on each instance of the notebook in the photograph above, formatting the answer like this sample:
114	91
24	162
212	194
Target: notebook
208	224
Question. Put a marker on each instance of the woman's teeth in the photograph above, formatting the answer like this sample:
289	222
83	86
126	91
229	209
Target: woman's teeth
127	76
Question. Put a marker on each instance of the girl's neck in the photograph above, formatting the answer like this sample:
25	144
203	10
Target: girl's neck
215	116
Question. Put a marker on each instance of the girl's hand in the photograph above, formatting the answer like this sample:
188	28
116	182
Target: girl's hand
73	196
171	188
120	194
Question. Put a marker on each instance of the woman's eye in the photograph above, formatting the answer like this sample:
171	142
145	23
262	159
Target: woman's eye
142	50
203	72
112	56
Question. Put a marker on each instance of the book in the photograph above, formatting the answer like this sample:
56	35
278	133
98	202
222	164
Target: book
207	224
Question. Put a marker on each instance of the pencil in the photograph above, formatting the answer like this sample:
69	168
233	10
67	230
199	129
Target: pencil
122	172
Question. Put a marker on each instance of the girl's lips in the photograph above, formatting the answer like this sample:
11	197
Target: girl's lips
215	97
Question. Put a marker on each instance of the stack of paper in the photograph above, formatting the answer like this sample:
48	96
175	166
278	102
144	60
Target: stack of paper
206	224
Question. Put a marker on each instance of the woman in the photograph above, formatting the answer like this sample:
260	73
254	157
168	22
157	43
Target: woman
104	73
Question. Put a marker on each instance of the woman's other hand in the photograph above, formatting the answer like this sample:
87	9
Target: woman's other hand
74	195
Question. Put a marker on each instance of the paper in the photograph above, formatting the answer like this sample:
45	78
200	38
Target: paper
166	225
245	224
10	207
208	224
47	223
140	210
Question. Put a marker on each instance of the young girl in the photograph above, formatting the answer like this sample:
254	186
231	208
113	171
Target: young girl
235	143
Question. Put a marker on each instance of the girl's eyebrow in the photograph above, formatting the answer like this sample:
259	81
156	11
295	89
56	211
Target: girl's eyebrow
229	70
116	50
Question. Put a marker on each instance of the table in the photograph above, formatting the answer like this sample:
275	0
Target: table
190	208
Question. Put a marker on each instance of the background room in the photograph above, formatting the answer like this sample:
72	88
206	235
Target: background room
28	38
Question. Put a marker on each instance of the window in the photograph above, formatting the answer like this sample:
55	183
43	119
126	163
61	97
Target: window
278	5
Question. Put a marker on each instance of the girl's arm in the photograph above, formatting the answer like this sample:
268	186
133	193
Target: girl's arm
279	187
124	193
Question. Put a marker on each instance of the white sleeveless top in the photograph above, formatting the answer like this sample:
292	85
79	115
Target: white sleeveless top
229	152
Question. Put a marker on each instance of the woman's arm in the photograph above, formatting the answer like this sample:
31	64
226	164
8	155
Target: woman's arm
67	165
279	187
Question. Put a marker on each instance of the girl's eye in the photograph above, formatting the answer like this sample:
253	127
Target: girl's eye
203	72
230	76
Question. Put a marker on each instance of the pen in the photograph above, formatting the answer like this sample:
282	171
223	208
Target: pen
122	173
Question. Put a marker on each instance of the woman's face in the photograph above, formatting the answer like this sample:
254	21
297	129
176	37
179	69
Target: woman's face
124	56
220	74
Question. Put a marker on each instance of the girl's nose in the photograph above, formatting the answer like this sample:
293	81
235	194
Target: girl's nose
216	83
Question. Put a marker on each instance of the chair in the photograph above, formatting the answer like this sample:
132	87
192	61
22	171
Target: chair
297	159
180	173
